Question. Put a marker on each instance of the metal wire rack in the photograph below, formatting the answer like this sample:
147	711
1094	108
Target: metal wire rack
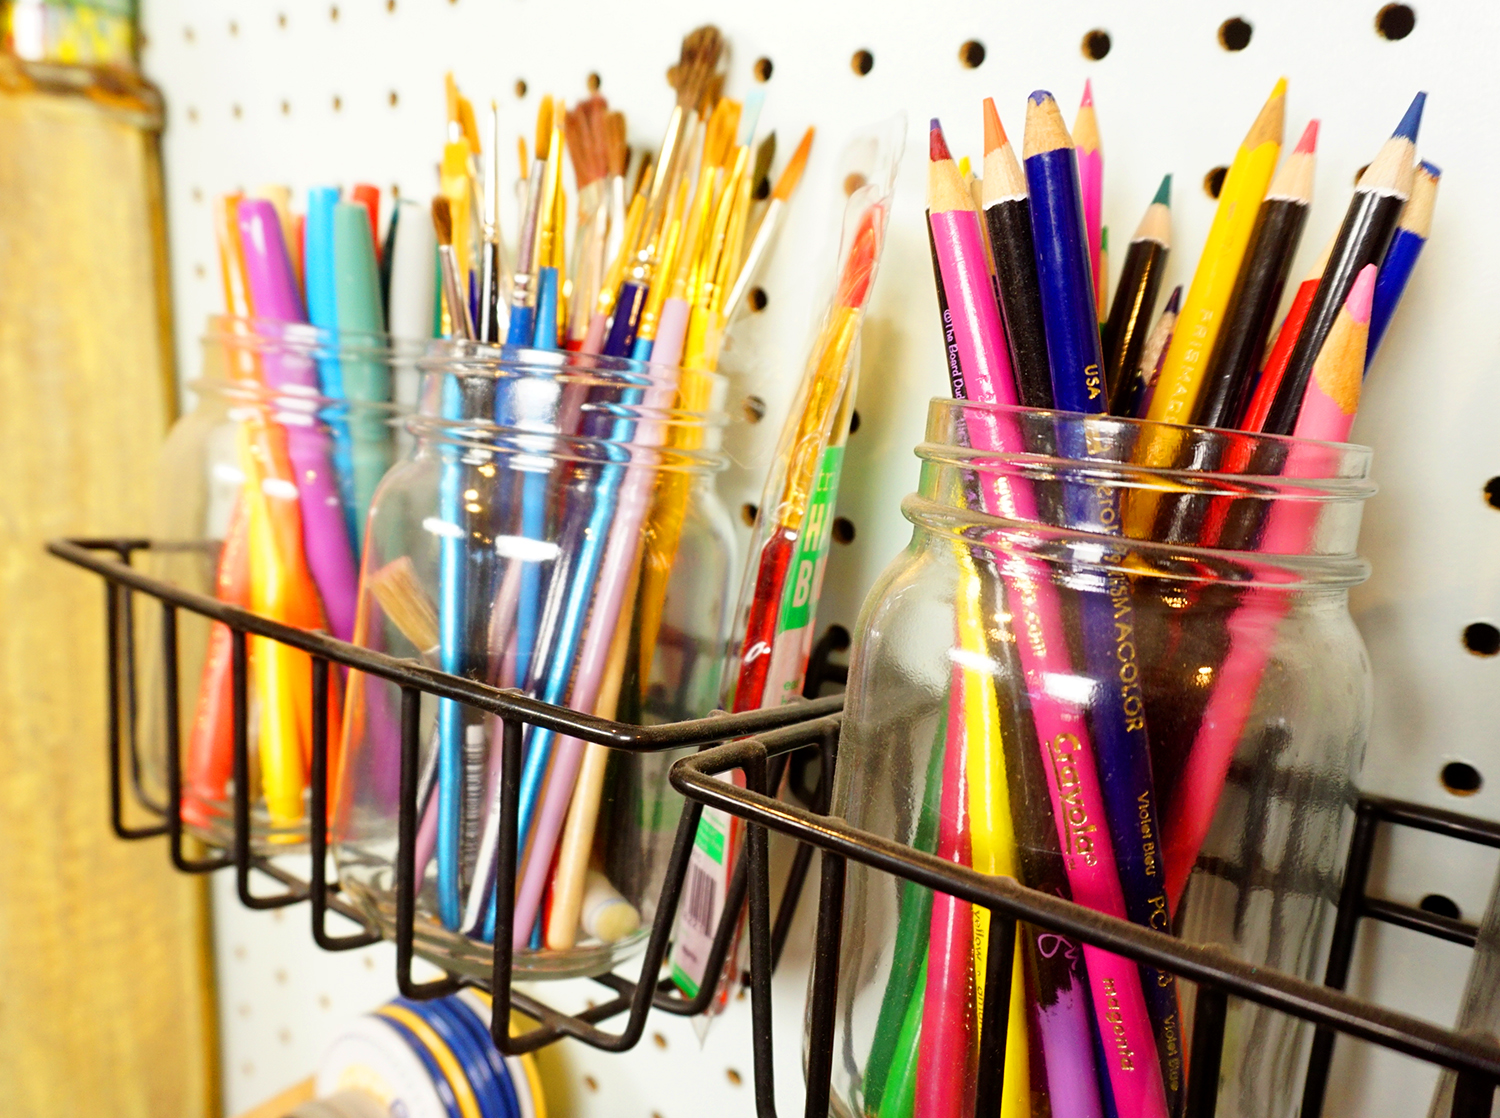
111	559
761	744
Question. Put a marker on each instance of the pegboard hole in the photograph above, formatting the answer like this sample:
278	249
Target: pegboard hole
237	111
280	19
333	13
971	54
393	99
286	108
1213	182
197	194
659	1040
1461	779
838	638
1096	44
1234	34
199	271
1395	21
843	530
187	33
862	62
593	82
755	409
1492	492
1482	639
852	182
733	1076
192	115
748	513
590	1082
520	87
338	102
1439	905
762	69
854	422
757	299
390	5
234	28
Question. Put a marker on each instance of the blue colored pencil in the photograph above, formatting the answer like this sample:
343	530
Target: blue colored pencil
1106	613
1401	256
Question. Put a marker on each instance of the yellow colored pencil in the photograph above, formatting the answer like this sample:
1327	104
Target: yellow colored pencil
991	835
1203	307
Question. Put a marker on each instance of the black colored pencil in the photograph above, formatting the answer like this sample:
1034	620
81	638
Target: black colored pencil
1368	227
1007	221
1135	295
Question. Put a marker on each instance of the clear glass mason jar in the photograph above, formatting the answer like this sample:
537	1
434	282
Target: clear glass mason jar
555	529
1041	687
262	492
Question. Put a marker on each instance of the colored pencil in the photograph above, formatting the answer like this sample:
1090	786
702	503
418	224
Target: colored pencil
1368	226
1091	189
1069	316
1401	257
1257	289
1101	306
1135	298
1063	734
1253	418
1332	398
1208	295
1133	392
1107	619
1007	217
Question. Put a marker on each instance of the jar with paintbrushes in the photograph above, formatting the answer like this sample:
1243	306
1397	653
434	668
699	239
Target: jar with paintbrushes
555	529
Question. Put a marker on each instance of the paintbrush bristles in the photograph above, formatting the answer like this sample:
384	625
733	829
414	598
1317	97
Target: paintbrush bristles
792	174
617	152
693	75
406	604
442	220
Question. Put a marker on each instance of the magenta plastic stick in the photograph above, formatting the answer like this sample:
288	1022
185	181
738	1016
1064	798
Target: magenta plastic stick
325	531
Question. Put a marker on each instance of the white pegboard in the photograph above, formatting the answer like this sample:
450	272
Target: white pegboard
307	93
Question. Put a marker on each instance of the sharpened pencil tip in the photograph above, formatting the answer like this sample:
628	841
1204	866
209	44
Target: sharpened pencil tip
1362	295
1174	300
1164	192
937	146
994	131
1432	169
1278	90
1411	123
1088	93
1309	142
1040	97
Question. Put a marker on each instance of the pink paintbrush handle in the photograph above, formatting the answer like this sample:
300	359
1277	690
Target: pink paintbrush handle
609	600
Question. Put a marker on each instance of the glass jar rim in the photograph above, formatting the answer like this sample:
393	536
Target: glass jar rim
247	392
1080	551
463	357
263	334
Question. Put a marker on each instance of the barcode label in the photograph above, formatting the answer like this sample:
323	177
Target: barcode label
702	893
706	887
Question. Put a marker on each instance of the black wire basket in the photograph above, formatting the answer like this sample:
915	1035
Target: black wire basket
761	744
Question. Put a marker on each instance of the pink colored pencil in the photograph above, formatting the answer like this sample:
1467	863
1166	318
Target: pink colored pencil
1328	407
943	1078
1091	183
1062	730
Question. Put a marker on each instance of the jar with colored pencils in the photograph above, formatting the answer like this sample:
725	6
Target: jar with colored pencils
263	489
1163	724
555	530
